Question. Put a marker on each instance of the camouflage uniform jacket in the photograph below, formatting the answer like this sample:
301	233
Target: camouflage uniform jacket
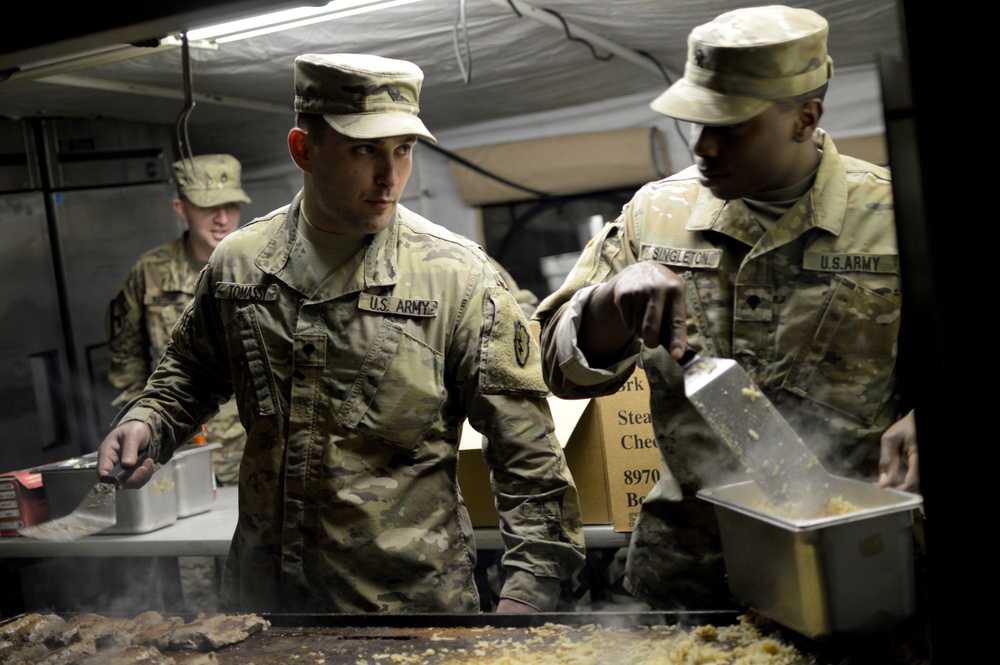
354	396
810	308
140	319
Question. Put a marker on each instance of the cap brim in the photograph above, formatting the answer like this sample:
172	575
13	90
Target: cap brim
379	125
216	197
692	103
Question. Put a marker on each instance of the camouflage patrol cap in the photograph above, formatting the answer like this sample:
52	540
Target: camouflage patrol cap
210	180
741	62
361	96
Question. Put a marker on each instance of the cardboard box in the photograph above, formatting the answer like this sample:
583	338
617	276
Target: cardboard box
613	449
474	474
22	501
610	450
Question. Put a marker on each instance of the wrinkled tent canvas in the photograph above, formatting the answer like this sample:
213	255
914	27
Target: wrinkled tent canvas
489	64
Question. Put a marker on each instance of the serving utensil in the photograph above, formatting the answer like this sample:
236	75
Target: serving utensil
97	511
774	455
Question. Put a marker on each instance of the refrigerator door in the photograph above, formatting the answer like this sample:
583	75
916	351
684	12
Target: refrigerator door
37	419
102	231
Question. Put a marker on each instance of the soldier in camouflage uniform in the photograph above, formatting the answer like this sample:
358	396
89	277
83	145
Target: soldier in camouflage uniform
162	282
357	337
772	249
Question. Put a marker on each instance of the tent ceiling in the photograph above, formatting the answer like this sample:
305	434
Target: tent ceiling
515	64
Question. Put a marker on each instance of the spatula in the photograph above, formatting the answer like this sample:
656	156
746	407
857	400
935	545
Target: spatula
775	456
96	512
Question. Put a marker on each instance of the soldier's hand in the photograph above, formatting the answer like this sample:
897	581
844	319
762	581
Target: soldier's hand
124	443
645	300
899	450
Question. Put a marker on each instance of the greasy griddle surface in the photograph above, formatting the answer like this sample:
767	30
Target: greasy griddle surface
546	643
283	645
538	639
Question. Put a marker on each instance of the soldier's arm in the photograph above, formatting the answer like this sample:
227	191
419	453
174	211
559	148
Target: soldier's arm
588	349
191	379
536	498
128	340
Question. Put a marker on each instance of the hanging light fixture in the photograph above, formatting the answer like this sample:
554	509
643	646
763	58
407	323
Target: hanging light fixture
288	19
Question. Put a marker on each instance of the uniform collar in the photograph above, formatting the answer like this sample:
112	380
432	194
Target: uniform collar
823	206
380	266
180	269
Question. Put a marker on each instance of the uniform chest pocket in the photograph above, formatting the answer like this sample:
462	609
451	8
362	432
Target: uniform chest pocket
258	388
849	361
399	390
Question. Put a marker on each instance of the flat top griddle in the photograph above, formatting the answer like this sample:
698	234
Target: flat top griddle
564	638
567	638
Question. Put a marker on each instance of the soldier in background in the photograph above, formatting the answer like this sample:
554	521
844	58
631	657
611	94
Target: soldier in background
161	283
773	250
358	337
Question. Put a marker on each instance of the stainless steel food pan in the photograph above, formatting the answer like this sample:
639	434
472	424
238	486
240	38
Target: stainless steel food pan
846	573
148	508
195	478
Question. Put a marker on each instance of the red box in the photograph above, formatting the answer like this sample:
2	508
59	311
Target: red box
22	501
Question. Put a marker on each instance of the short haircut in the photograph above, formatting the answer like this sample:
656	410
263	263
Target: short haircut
798	101
314	123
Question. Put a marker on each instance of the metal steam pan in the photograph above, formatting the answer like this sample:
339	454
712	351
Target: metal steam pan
821	575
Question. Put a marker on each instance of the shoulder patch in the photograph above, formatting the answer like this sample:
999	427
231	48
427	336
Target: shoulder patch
510	356
118	309
522	343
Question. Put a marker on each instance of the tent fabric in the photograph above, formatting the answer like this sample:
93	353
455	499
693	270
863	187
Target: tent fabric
562	165
514	66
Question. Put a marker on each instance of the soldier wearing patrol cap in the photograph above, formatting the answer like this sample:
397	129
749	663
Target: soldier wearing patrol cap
357	337
772	249
160	284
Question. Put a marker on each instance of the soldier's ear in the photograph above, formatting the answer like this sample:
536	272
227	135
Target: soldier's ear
808	120
179	209
298	148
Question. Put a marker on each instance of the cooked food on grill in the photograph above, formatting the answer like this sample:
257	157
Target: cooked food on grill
146	639
31	628
217	630
221	639
740	644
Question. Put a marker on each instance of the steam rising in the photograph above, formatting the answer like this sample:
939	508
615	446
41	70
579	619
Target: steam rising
769	450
